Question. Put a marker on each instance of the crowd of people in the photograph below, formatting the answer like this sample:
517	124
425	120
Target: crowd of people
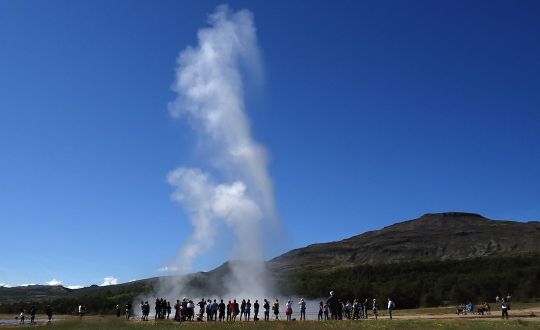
246	310
212	310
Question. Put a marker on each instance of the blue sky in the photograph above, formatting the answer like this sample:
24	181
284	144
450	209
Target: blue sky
373	112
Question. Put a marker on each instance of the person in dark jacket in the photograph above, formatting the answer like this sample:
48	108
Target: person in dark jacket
334	305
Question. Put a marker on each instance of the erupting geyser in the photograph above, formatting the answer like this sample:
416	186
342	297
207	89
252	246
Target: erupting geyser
236	190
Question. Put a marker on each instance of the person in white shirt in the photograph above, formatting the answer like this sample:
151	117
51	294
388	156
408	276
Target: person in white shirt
391	306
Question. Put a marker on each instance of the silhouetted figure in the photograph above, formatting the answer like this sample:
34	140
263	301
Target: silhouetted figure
128	310
356	310
248	310
365	308
275	308
49	312
156	308
235	310
33	314
118	310
229	311
321	312
242	309
348	309
256	310
202	308
146	310
177	310
221	308
266	307
325	311
168	309
333	305
374	308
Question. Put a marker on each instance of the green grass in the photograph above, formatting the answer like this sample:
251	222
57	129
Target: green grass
107	323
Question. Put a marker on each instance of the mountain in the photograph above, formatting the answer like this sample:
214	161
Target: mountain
440	258
439	236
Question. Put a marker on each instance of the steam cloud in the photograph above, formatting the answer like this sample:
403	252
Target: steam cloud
239	191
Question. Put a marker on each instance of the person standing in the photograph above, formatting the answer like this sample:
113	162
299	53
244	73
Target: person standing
248	310
266	307
209	310
229	311
201	305
177	310
504	308
365	308
288	310
391	306
221	308
33	315
275	308
334	305
321	311
242	309
256	310
302	304
49	312
21	315
235	309
128	310
375	309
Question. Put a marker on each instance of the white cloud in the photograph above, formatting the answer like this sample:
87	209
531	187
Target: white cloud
27	284
54	282
168	269
5	285
74	287
109	280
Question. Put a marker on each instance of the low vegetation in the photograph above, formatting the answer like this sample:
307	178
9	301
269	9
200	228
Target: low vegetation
427	284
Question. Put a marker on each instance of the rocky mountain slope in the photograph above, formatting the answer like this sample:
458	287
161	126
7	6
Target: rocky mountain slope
440	236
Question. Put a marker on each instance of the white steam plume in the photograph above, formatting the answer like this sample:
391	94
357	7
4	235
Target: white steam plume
211	94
